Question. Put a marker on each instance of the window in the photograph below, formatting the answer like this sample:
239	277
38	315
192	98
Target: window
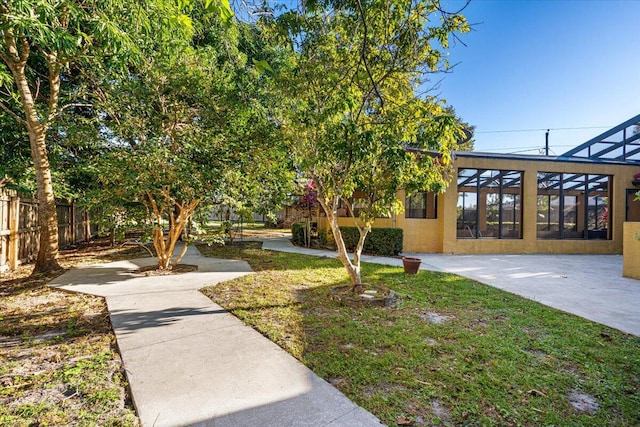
422	205
489	204
355	204
633	206
573	206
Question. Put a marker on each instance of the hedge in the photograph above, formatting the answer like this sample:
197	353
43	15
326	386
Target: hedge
297	233
379	241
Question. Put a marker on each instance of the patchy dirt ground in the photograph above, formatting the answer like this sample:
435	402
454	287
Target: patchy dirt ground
59	363
249	233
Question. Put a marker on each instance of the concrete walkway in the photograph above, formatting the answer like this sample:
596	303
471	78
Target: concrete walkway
191	363
590	286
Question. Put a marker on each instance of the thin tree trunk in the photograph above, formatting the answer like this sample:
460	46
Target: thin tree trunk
364	231
353	268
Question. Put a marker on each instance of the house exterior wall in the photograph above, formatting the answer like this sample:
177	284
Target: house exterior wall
440	235
419	235
631	259
622	178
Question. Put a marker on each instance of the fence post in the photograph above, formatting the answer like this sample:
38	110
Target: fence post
72	220
87	225
13	254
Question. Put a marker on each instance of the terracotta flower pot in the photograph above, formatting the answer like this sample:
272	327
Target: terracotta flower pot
411	265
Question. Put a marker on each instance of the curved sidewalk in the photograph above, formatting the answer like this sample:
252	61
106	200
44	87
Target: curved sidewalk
590	286
191	363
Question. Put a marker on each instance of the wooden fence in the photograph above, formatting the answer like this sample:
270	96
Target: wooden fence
19	234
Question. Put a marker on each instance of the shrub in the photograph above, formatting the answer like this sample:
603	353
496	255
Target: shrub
326	238
379	241
297	233
384	241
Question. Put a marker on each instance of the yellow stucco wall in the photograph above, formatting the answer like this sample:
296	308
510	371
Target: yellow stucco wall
439	235
419	235
631	258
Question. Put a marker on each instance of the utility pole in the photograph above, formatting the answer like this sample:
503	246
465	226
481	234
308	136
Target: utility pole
546	143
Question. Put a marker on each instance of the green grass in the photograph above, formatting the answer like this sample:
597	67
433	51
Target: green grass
247	225
498	359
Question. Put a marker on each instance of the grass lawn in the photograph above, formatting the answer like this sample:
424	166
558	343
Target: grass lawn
451	351
58	359
246	230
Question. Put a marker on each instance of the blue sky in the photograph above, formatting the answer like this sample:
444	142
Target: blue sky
545	64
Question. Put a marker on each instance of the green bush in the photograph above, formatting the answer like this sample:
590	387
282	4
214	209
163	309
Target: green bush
324	237
379	241
297	233
384	241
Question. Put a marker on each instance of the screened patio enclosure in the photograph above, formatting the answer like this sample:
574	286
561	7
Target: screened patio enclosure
489	204
573	206
573	203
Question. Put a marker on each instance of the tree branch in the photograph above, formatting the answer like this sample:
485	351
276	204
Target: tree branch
13	58
54	85
364	53
445	14
72	105
12	114
4	57
347	203
4	181
26	51
138	243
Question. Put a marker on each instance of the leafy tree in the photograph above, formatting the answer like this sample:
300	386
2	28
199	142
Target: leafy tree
354	122
186	130
162	156
39	35
14	154
466	141
41	41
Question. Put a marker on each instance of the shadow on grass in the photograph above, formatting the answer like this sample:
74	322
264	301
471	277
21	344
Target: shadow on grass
52	325
98	250
28	283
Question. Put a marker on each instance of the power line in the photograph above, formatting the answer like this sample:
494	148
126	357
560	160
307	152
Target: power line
543	129
529	148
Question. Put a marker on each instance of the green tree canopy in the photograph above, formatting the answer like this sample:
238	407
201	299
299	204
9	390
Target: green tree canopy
187	129
41	41
53	57
354	122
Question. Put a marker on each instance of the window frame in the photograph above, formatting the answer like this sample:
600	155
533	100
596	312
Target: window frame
501	181
427	213
582	185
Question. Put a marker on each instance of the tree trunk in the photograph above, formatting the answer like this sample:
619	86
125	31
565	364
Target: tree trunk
165	246
47	259
307	233
353	268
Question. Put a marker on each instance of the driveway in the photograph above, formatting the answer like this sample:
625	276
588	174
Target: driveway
590	286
